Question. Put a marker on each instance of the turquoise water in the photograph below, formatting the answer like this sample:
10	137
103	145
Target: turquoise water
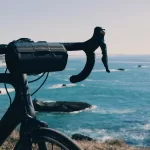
120	100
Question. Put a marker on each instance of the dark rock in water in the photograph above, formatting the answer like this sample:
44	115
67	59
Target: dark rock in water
63	84
81	137
121	69
59	106
139	66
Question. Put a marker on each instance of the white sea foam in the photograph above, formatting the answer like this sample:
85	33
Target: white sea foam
56	86
137	136
114	70
100	70
111	70
93	80
132	62
48	101
100	134
66	79
146	126
76	112
106	137
113	111
86	109
3	91
103	134
70	69
2	64
91	108
142	66
145	66
89	80
103	70
81	130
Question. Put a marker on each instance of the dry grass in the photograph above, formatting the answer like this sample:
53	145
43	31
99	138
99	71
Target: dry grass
108	145
86	145
10	142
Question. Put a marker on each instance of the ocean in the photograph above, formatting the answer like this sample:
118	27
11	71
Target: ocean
120	100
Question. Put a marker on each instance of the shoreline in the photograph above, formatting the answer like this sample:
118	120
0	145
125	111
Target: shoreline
115	144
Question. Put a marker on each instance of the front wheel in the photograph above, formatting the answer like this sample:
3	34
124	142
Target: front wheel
50	139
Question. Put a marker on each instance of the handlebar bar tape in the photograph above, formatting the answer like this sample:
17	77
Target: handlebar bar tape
86	70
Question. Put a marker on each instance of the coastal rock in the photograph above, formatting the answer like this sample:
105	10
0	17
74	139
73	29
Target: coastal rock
139	66
121	69
80	137
59	106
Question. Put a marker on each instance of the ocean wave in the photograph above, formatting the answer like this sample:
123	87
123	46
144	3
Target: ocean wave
2	64
143	66
82	84
91	108
113	111
56	86
66	79
75	112
137	136
70	69
93	80
133	134
103	70
86	109
99	134
146	126
94	131
104	134
3	90
48	101
89	80
98	70
111	70
132	62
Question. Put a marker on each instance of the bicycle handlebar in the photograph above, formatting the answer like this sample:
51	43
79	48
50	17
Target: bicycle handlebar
88	47
86	71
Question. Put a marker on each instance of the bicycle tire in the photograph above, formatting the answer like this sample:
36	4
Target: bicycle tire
57	140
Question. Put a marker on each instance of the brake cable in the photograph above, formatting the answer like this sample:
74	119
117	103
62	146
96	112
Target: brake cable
29	82
41	84
37	78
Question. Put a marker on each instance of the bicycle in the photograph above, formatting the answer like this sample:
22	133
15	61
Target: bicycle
21	111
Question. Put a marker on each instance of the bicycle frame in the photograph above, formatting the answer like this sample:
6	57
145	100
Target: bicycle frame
21	110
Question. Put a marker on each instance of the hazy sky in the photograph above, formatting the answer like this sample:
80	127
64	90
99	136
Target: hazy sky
127	22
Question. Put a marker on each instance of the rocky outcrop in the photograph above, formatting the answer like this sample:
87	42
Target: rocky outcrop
59	106
80	137
139	66
121	69
64	85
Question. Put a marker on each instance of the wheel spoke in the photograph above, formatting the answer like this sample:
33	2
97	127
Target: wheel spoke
52	146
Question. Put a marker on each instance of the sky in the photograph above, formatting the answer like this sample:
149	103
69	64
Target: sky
127	22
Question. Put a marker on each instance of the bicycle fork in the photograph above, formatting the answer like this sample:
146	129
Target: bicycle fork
29	126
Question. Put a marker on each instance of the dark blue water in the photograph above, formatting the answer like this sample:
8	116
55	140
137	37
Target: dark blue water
121	100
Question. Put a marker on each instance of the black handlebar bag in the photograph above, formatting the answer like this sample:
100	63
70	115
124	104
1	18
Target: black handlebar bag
35	57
